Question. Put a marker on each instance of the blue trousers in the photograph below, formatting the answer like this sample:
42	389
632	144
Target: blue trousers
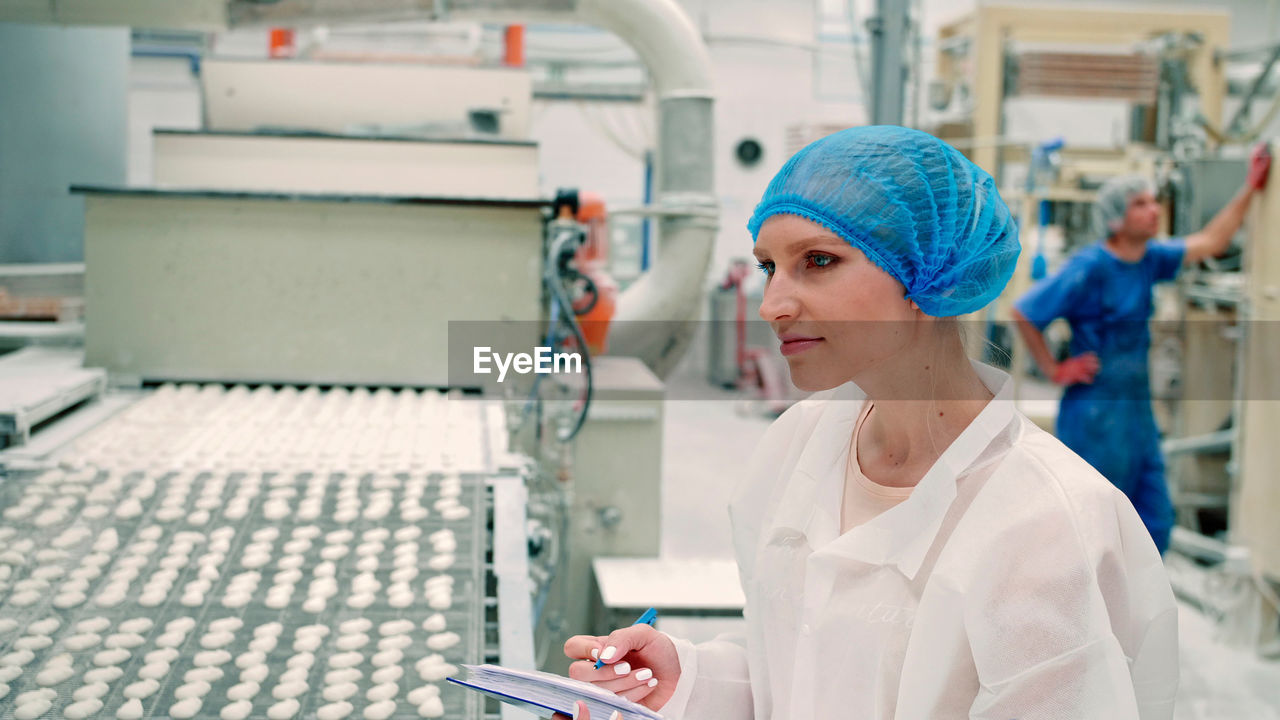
1115	432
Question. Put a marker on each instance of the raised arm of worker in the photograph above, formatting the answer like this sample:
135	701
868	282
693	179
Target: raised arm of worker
1215	238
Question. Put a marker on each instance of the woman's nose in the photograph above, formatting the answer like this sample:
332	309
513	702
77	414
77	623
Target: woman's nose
779	300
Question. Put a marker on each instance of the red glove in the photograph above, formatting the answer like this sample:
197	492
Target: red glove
1259	166
1079	369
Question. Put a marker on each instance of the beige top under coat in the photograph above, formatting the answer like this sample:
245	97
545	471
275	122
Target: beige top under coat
863	497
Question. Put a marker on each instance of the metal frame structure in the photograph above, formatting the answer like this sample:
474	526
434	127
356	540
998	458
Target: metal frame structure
989	28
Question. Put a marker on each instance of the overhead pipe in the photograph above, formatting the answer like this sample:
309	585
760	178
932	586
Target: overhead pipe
655	315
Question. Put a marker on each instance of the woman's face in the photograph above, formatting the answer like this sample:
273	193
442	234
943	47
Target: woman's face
836	313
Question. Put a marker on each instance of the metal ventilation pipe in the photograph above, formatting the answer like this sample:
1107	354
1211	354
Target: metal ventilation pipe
654	319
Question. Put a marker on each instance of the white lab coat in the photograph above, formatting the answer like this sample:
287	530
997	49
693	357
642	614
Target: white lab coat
1014	582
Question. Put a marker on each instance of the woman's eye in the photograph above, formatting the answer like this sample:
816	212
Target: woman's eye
821	260
765	267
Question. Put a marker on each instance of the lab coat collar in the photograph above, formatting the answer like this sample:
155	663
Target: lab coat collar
810	507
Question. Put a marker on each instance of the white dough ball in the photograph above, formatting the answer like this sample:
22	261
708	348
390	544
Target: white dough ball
339	691
184	709
32	642
207	674
153	670
212	657
383	691
256	673
387	674
345	660
284	709
431	708
103	674
215	640
114	656
351	641
443	641
196	689
46	626
355	625
380	710
289	689
126	640
226	624
136	625
251	658
238	710
91	690
243	691
162	654
334	710
55	675
343	675
131	710
387	657
419	695
182	624
32	709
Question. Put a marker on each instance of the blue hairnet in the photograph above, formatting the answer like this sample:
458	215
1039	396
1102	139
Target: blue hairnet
912	204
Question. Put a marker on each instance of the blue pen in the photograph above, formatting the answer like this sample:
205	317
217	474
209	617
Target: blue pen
648	618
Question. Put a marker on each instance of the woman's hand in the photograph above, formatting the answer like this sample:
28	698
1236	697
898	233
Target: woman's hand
640	664
580	712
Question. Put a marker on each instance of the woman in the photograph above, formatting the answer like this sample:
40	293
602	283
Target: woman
910	546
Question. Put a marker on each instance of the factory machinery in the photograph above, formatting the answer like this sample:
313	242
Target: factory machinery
261	489
180	540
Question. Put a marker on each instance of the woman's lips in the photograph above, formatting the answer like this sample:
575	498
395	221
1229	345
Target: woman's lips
791	346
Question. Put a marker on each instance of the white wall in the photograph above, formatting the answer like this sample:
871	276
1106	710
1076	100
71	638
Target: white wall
163	93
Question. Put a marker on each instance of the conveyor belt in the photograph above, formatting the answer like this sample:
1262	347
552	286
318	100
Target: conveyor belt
219	539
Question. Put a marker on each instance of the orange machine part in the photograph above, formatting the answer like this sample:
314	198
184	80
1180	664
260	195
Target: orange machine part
593	261
513	55
280	43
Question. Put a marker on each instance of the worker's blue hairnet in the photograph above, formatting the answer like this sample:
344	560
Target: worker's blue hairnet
1112	202
913	204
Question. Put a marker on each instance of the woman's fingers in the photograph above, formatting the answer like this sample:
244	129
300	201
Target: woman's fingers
625	640
579	647
586	671
614	678
580	712
637	694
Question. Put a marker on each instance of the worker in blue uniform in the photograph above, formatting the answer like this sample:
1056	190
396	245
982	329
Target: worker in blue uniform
1104	292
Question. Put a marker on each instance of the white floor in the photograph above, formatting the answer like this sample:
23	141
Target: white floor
706	446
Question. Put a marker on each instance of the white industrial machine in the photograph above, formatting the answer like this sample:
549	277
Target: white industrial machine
277	500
